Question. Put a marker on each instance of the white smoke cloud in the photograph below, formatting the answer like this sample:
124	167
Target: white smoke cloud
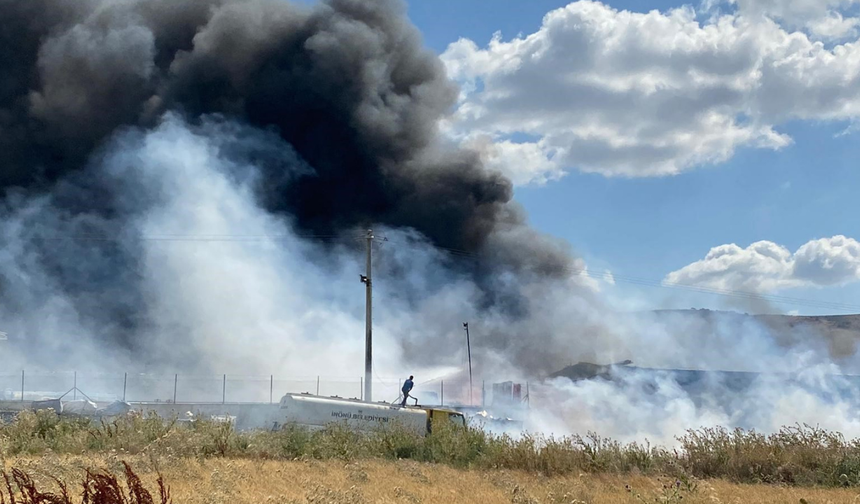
244	305
651	406
228	287
259	299
765	266
768	375
627	94
39	306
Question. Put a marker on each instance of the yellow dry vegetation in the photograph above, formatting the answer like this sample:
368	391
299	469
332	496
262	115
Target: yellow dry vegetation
237	481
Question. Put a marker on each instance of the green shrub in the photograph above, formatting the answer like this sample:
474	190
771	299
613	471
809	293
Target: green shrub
799	455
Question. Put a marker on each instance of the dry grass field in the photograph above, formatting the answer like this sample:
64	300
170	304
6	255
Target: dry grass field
205	462
238	481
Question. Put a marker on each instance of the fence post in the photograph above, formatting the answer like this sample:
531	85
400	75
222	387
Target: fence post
224	390
271	387
75	387
442	390
528	397
483	394
124	385
318	385
361	394
175	384
22	385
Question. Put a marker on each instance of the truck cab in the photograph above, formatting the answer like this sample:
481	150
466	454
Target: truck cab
437	416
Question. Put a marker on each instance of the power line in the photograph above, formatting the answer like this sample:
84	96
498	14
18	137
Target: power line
464	254
646	282
717	291
186	238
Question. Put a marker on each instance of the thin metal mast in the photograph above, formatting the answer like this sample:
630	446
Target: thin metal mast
469	348
368	353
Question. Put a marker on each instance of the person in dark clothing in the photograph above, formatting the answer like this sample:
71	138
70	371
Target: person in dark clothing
407	387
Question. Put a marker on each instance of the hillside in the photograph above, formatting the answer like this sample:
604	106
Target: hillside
841	333
846	322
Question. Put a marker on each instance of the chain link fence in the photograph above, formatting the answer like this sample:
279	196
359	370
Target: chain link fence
136	387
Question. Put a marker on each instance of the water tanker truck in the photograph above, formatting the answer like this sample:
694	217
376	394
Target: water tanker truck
316	412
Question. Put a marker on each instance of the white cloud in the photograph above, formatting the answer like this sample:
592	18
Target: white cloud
852	128
609	278
523	163
765	266
824	19
833	261
631	94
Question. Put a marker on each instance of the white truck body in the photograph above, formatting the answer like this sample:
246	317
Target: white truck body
317	412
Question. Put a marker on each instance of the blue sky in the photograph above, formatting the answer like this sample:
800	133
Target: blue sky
778	169
648	227
444	21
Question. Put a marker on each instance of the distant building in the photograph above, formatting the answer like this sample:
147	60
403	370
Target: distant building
507	394
699	383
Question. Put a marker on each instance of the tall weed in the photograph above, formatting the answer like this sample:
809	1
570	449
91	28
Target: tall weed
798	455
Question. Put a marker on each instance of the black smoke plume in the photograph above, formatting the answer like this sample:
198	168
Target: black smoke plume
346	83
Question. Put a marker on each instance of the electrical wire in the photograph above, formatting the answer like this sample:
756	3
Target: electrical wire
717	291
645	282
464	254
185	238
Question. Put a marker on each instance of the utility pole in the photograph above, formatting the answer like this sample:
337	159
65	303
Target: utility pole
368	352
469	349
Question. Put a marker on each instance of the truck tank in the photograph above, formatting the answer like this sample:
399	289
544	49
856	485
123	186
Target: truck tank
316	412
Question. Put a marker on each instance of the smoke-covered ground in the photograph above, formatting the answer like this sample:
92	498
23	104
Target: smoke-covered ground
654	407
186	187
